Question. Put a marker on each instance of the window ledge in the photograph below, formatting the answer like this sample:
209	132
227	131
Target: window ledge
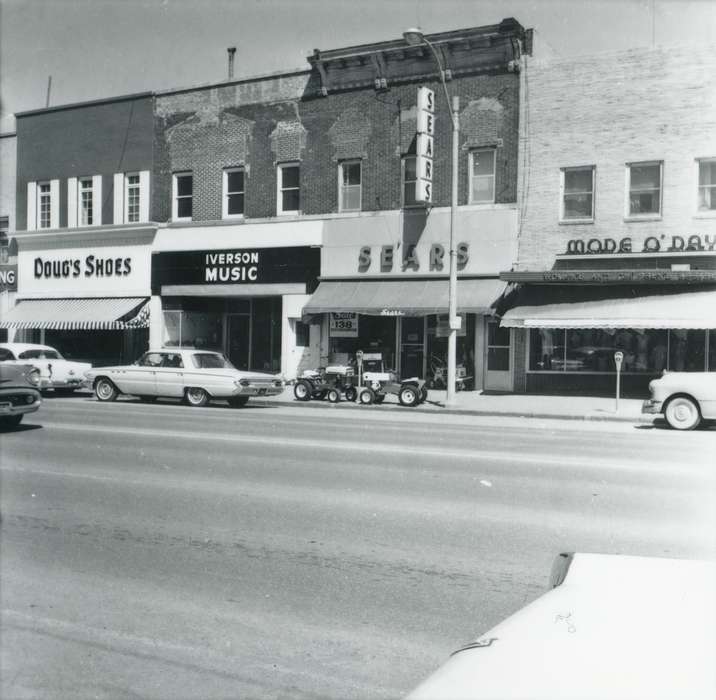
646	217
572	222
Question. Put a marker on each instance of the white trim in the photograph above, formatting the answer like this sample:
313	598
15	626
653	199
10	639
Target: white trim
650	216
118	213
144	196
582	220
225	192
54	204
175	195
73	202
96	200
31	224
471	176
341	186
279	189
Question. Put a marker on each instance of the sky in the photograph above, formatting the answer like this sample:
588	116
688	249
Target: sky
102	48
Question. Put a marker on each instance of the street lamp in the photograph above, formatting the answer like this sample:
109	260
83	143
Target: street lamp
415	37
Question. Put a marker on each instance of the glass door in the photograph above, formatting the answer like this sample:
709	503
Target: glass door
412	352
498	361
238	342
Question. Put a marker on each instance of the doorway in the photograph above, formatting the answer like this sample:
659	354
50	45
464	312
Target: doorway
498	357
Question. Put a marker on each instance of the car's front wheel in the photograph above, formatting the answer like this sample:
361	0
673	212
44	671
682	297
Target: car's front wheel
104	390
682	413
195	396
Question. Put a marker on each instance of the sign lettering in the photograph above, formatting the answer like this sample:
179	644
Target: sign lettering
411	259
91	266
651	244
343	325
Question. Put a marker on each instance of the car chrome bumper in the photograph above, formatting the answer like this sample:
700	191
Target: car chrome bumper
13	407
259	390
651	406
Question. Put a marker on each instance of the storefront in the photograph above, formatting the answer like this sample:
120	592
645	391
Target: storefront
571	320
84	292
384	288
243	301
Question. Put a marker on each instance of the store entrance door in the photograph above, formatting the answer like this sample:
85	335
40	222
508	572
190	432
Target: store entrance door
238	342
412	353
498	360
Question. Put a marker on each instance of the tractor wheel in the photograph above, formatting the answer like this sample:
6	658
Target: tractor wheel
351	393
409	395
366	397
333	395
379	398
303	390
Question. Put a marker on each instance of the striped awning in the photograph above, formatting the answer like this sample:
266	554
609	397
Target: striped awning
79	314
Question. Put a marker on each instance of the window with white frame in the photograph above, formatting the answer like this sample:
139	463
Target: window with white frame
577	188
233	193
132	197
707	185
349	174
85	203
482	176
183	196
644	189
410	180
44	205
288	195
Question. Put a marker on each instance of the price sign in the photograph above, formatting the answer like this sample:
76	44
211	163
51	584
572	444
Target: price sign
343	325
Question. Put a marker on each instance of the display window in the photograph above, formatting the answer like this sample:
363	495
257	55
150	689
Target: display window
374	334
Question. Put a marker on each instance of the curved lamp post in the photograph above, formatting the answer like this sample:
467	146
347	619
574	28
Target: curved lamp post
415	37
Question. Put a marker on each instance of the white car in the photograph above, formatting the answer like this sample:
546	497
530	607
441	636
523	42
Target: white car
64	376
197	376
613	626
685	398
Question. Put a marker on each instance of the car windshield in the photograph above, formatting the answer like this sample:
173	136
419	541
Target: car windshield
210	360
39	354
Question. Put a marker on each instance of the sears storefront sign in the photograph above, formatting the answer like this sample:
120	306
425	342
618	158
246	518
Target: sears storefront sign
237	267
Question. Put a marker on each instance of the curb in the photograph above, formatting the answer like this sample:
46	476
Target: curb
440	410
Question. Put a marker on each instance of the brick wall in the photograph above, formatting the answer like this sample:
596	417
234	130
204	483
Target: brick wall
607	110
209	129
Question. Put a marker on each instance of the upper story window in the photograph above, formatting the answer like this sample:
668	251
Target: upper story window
707	185
288	182
644	189
233	193
482	176
349	184
577	188
131	197
183	196
4	241
85	201
410	180
44	205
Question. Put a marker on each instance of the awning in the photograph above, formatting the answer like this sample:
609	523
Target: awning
535	307
402	297
79	314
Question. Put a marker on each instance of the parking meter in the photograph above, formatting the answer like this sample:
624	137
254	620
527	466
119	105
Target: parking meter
359	361
618	359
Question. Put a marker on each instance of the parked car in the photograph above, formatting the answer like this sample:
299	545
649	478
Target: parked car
613	626
685	398
197	376
19	393
64	376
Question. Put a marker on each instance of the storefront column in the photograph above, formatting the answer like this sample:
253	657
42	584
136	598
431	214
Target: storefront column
292	356
479	349
156	322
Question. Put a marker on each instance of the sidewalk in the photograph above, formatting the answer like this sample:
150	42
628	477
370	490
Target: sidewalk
523	405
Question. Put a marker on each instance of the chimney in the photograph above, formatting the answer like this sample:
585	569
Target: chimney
231	51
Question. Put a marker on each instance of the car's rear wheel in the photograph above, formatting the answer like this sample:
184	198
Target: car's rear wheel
682	413
104	390
238	401
195	396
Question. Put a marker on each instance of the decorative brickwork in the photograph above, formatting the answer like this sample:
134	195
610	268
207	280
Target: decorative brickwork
481	123
349	135
288	140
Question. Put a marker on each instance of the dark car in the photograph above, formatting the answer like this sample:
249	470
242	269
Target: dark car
19	393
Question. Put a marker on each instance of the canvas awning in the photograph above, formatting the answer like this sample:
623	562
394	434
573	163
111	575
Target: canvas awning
537	307
79	314
402	297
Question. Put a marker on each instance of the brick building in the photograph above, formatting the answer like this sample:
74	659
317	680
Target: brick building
617	245
255	176
83	228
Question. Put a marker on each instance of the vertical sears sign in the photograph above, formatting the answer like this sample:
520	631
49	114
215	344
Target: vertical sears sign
424	146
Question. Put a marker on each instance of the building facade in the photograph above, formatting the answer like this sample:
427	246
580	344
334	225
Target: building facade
8	247
617	245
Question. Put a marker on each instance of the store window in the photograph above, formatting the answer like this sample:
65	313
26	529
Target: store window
349	174
183	197
687	350
303	334
233	193
644	188
707	185
373	334
577	186
288	182
197	329
482	176
410	181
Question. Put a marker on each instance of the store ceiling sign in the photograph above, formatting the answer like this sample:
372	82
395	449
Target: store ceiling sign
651	244
8	278
238	266
343	325
424	146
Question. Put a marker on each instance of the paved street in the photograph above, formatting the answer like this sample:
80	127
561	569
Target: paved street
277	552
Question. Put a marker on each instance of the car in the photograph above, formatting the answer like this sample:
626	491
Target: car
56	373
19	393
685	398
194	375
612	626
